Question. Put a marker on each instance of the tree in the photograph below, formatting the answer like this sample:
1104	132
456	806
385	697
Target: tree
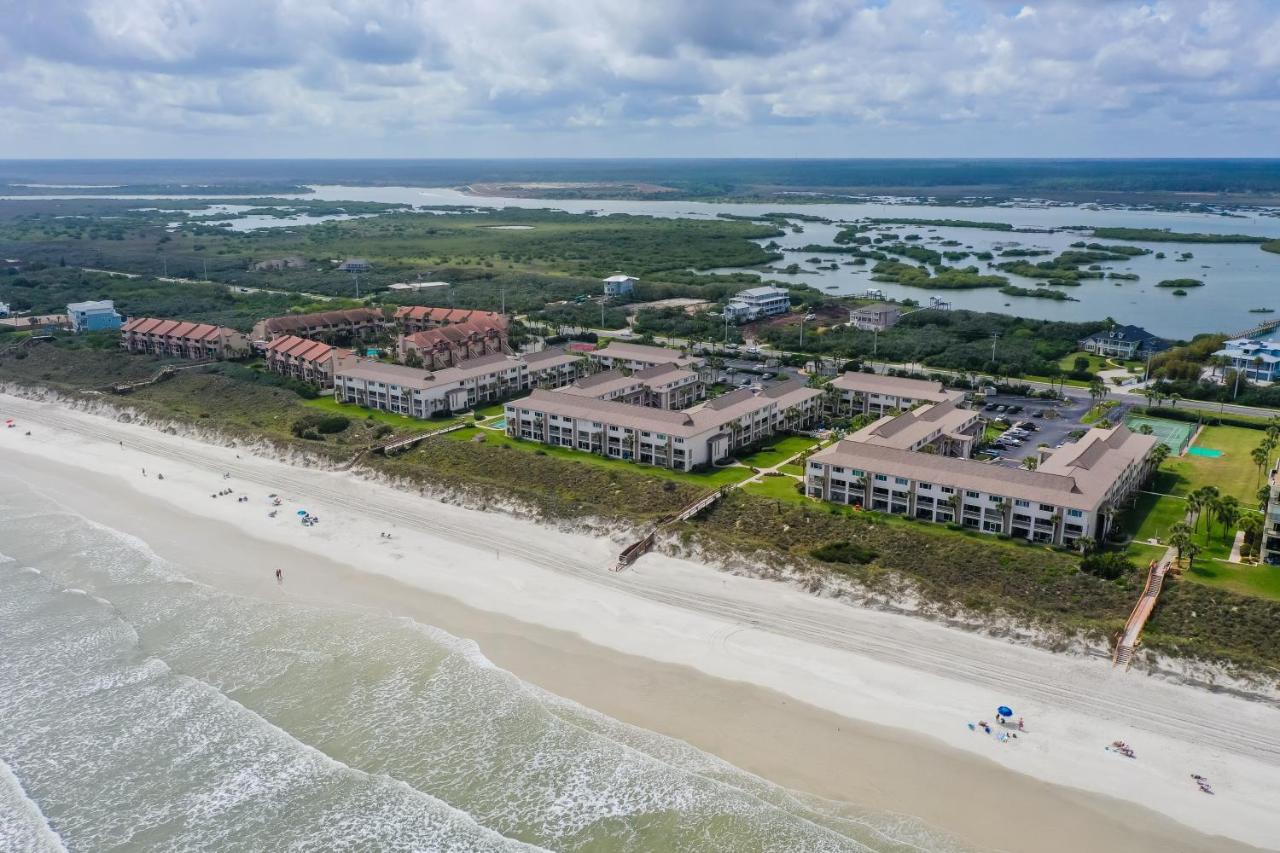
1228	511
1097	390
1192	550
1259	455
1173	400
1195	503
1146	429
1264	498
1159	453
1179	538
1080	364
1030	463
1085	544
1251	524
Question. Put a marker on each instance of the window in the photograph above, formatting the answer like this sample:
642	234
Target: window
968	494
1046	508
995	499
881	477
1075	513
947	490
855	472
836	469
1022	503
901	481
925	486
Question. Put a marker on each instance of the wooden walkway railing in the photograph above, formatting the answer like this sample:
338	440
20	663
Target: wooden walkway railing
395	445
642	546
163	373
1128	640
1269	325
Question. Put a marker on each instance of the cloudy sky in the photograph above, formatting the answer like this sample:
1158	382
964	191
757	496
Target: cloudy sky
438	78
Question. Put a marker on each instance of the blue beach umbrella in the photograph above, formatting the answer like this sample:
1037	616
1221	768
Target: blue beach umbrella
302	512
1004	711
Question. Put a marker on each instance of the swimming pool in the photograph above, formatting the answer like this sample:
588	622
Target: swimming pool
500	423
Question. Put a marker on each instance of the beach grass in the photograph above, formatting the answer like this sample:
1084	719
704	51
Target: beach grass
401	423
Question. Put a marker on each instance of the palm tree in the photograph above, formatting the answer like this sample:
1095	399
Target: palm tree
1251	524
1228	512
1159	453
1179	538
1259	455
1030	463
1264	498
1085	544
1097	390
1192	550
954	503
1195	503
1173	400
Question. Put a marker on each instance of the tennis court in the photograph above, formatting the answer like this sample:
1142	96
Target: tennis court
1174	434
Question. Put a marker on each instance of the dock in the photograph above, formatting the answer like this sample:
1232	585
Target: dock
1260	329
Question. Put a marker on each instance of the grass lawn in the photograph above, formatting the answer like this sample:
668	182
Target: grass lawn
776	451
709	479
792	468
776	488
490	411
1152	516
404	422
1142	554
1262	581
1096	362
1233	472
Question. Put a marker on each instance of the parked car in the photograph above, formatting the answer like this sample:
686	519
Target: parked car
989	407
1002	408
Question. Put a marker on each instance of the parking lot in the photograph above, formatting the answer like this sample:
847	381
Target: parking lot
1052	430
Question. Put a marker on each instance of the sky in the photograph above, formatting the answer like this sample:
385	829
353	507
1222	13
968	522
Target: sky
639	78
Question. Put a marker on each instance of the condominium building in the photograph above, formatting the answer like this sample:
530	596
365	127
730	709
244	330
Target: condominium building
1074	492
1256	359
620	355
944	429
303	359
876	317
681	440
181	339
663	387
620	285
757	302
417	318
352	324
449	346
421	393
873	394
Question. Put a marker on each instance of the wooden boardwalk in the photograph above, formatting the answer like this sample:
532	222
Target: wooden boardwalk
642	546
161	374
1128	640
396	444
1261	328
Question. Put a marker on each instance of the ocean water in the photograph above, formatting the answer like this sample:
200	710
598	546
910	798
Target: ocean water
141	710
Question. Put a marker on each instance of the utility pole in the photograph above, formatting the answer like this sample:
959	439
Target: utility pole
356	276
995	338
802	332
205	261
875	343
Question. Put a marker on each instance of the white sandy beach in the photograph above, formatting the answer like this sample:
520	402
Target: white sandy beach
846	703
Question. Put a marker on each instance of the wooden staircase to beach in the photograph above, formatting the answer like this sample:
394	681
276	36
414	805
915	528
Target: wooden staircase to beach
642	546
161	374
395	444
1127	642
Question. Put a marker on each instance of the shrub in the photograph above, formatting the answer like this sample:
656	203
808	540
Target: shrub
1107	565
316	425
844	552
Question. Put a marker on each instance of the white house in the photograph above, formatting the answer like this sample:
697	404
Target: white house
620	285
4	309
757	302
1257	359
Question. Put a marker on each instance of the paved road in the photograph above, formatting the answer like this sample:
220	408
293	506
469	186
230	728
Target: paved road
1005	669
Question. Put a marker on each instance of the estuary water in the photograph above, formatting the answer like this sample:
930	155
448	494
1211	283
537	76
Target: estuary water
1238	277
142	710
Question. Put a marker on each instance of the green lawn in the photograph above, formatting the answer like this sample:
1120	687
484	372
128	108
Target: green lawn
776	451
1152	515
490	411
1262	581
709	479
792	468
1096	362
1233	472
1143	555
776	488
400	422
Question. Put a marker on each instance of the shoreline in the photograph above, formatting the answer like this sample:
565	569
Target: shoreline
714	682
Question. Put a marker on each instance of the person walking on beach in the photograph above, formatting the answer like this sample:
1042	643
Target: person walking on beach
280	576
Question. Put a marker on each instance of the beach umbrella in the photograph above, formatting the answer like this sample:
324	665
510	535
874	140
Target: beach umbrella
1004	711
302	512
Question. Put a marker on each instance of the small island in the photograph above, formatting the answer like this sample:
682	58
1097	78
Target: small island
1181	283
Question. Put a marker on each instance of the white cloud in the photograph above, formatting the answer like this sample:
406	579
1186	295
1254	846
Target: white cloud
347	77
